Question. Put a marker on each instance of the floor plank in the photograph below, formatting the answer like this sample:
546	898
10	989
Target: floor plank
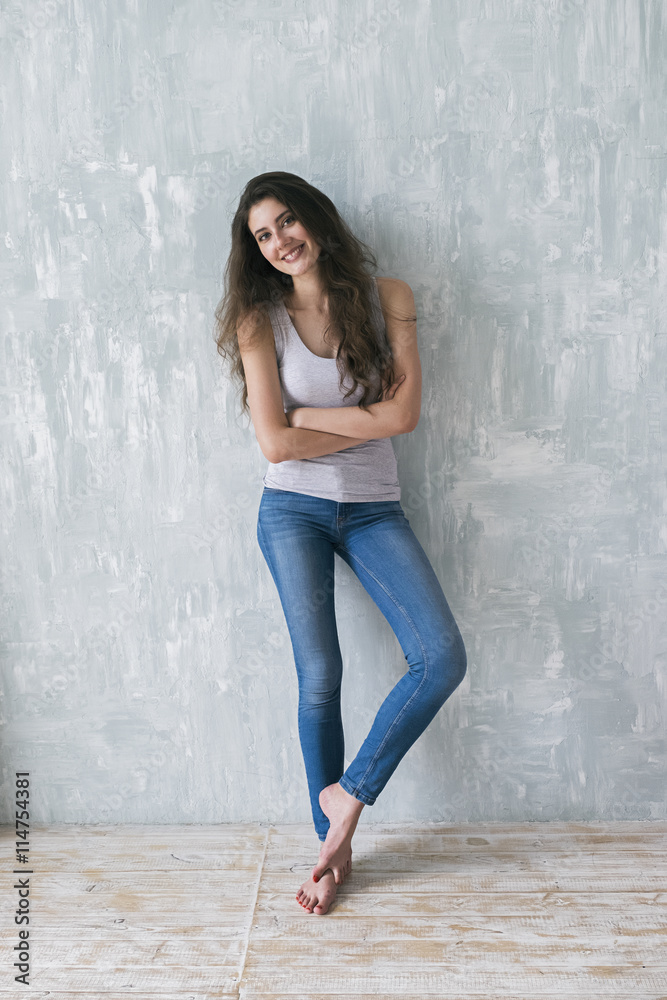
462	984
141	848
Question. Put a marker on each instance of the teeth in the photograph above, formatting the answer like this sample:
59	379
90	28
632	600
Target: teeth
291	256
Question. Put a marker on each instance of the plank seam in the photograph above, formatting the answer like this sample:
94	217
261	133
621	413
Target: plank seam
246	943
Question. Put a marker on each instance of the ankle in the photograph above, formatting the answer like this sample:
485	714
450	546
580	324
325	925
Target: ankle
351	800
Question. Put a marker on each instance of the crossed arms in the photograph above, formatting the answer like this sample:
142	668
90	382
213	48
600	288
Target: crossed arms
307	432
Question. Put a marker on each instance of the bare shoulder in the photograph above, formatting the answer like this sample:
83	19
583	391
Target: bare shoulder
396	295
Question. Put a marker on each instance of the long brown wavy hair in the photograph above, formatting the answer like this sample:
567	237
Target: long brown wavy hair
251	282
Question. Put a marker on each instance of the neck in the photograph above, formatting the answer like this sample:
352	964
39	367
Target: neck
308	291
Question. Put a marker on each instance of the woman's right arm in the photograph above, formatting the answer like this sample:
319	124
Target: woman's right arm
279	442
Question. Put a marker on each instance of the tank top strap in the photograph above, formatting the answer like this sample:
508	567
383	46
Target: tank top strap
281	331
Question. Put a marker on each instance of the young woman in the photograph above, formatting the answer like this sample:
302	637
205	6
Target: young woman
327	360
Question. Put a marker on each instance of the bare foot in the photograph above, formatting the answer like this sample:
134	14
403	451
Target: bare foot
343	811
317	898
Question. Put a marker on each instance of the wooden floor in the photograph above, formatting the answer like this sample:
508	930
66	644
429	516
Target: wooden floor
535	910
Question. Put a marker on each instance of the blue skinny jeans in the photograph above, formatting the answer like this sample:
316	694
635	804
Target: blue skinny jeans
298	535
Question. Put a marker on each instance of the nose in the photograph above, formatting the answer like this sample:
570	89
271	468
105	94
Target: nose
283	250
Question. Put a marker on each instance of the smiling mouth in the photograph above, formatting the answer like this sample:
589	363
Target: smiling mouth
293	254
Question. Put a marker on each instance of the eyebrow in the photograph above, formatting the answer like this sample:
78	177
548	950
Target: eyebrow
286	212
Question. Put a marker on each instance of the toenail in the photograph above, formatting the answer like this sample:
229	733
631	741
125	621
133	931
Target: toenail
316	878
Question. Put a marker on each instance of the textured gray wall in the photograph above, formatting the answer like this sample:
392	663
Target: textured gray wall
508	159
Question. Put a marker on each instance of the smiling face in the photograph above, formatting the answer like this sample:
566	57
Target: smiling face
281	238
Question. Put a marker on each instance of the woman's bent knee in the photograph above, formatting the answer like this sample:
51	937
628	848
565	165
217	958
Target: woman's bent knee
459	660
448	668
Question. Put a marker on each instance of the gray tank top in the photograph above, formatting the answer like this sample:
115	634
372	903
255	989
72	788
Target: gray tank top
364	472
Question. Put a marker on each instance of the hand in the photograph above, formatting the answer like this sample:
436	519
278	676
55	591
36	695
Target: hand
391	390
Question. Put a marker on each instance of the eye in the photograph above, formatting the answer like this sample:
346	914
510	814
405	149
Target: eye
288	218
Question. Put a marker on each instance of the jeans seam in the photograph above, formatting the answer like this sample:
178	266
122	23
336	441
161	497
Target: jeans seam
405	707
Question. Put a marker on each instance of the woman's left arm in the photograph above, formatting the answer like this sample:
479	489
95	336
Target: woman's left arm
397	413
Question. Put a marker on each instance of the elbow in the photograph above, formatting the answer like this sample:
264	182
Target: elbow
275	449
415	414
405	416
274	454
409	423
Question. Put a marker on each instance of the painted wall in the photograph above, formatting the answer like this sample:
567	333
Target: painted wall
506	158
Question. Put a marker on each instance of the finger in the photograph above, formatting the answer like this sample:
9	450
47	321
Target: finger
391	390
